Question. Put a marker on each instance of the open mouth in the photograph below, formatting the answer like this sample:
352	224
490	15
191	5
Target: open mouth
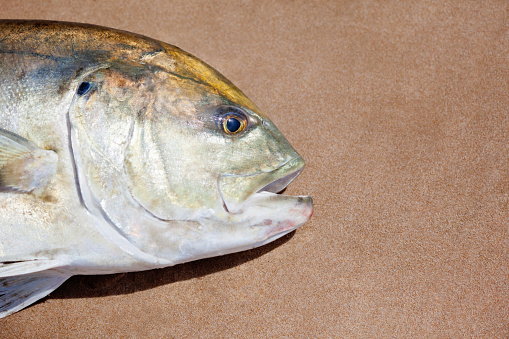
239	192
279	185
252	201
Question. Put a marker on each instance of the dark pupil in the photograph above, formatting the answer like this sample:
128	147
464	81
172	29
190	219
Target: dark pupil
84	87
233	125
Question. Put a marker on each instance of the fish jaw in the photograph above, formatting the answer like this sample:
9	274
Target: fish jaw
277	214
252	201
264	218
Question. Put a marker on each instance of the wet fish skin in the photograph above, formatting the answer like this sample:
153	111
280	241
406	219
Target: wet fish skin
115	157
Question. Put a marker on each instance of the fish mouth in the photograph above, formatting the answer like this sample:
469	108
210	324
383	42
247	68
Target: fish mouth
236	190
253	201
255	198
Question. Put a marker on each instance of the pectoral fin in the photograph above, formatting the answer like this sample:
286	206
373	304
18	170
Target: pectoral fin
24	282
19	291
24	167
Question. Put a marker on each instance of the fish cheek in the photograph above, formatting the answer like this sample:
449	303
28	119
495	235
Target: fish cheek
168	176
168	159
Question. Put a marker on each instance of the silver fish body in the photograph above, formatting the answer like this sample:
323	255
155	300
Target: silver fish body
122	153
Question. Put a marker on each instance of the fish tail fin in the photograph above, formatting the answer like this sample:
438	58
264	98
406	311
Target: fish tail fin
19	291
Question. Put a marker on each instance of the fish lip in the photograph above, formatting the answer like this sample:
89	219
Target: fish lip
281	177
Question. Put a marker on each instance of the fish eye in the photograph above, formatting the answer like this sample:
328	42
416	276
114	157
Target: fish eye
84	88
233	122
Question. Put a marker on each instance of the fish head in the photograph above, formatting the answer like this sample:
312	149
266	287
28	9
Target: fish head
190	150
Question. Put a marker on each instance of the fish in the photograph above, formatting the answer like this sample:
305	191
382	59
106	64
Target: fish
122	153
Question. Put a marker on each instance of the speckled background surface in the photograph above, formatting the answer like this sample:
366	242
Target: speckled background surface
401	111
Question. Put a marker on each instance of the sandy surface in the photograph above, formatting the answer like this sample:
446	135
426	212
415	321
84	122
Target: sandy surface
401	111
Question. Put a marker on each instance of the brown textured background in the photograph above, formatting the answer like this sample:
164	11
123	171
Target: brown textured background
400	109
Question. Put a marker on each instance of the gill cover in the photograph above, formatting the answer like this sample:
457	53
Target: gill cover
105	109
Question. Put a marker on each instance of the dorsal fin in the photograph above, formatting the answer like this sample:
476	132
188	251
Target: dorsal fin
24	167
